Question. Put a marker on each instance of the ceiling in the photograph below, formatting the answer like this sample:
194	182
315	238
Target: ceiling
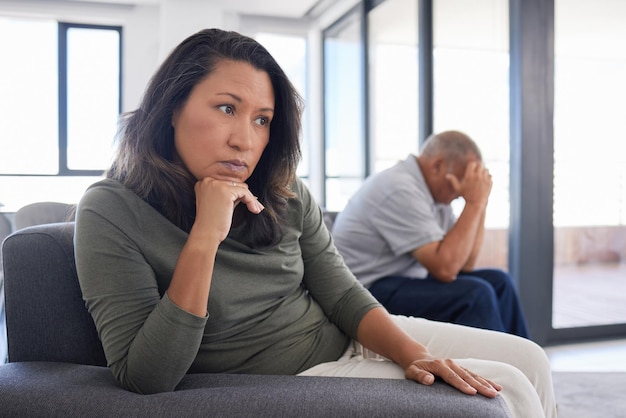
281	8
275	8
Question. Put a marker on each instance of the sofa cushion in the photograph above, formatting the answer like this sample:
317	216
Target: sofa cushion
45	389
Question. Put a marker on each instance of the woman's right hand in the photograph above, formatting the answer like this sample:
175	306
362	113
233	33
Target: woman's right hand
424	371
215	203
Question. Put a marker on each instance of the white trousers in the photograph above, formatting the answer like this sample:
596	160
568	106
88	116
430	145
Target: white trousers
519	365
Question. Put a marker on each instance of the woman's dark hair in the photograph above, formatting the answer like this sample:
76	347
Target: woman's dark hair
144	161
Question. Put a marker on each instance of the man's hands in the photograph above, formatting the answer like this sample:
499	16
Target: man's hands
424	372
476	184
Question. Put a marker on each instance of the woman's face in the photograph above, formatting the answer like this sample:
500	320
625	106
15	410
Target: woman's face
224	126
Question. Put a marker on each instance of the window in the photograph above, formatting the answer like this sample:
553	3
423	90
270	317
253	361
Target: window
290	52
92	94
589	164
60	97
393	82
344	108
471	94
28	97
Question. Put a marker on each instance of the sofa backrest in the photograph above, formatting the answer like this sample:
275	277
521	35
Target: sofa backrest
329	219
39	213
46	317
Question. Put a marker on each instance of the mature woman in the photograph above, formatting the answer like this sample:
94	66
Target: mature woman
202	251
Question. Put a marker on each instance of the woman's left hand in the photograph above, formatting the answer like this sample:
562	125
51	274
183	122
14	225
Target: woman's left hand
379	333
424	371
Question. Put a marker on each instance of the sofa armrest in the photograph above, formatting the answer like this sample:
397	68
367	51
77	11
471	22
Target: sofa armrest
43	296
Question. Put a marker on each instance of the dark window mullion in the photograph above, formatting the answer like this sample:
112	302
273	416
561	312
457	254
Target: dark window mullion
62	66
367	146
425	65
531	182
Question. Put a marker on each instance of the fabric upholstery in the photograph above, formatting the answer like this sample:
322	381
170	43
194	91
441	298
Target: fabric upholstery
43	213
56	361
5	230
5	227
43	296
62	390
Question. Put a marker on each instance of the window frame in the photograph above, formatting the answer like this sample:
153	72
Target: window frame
358	13
62	53
531	234
63	28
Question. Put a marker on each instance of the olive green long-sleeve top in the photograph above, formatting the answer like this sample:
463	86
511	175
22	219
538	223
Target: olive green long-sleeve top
278	310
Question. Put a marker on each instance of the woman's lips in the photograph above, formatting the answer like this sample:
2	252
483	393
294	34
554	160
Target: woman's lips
235	166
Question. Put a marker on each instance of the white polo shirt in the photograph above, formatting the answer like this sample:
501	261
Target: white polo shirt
391	215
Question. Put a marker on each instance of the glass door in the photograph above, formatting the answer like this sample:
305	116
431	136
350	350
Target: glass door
344	109
589	285
471	94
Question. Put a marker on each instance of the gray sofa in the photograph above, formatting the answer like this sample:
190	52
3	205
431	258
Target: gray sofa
57	366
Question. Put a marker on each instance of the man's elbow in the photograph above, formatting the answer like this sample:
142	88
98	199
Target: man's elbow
444	274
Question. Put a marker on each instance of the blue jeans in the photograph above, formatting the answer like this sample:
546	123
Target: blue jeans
482	298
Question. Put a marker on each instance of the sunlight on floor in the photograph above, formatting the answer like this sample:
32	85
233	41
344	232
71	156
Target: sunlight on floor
601	356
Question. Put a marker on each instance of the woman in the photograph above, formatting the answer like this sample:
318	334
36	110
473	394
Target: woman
202	251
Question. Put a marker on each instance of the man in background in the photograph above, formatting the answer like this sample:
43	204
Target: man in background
399	236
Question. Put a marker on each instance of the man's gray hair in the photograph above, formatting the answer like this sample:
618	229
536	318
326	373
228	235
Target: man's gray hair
452	145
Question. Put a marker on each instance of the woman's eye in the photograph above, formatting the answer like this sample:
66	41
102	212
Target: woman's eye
262	121
228	109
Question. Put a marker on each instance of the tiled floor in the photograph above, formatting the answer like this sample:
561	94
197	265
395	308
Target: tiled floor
600	356
589	295
593	294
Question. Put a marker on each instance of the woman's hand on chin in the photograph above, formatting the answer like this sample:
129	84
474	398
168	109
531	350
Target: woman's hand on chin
215	202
